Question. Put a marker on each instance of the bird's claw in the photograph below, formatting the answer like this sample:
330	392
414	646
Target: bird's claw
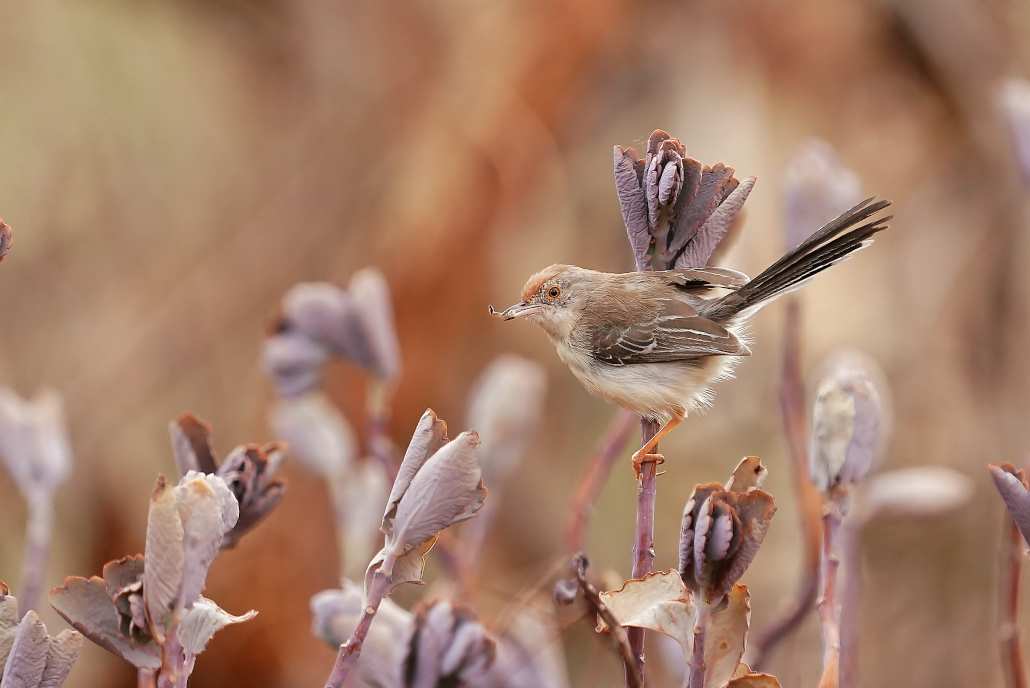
640	459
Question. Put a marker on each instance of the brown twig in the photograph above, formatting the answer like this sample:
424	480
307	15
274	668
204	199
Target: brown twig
592	481
351	650
697	653
792	408
1008	613
829	609
643	543
619	633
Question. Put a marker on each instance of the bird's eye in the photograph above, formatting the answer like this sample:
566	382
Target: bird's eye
554	292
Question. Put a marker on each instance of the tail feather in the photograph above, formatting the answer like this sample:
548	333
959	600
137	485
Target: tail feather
824	249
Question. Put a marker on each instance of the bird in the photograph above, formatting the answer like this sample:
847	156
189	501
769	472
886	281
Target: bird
655	342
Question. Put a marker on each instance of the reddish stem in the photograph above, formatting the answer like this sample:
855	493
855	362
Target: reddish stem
592	481
792	408
643	540
619	633
1011	647
349	652
697	653
829	609
146	678
37	548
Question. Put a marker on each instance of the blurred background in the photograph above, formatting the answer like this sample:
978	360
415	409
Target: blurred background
171	168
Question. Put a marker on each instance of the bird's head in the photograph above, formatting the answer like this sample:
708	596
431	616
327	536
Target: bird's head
553	298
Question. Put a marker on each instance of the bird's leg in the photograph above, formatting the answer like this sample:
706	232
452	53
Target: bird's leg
637	463
638	457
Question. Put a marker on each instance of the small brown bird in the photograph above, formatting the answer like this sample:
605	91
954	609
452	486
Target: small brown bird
654	342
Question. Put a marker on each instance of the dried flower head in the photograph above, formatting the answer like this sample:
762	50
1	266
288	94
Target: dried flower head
249	471
916	492
722	529
506	405
29	656
1014	103
816	188
845	428
34	442
5	239
294	361
675	209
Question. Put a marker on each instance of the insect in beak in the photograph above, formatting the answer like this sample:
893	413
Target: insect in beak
516	311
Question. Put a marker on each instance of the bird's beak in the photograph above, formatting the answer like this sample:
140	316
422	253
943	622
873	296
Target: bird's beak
516	311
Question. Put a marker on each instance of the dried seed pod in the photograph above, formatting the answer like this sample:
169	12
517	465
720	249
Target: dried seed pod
721	532
675	209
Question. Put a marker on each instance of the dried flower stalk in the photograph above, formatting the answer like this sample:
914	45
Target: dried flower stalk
620	635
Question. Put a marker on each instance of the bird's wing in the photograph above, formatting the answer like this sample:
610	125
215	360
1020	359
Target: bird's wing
704	278
673	332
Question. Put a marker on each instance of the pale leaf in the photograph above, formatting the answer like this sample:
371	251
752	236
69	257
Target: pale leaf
659	602
62	651
201	621
407	568
371	296
430	434
162	573
208	510
25	663
727	634
447	489
86	606
925	491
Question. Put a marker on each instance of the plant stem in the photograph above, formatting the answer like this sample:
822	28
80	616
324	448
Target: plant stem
349	652
829	610
697	654
146	678
173	672
792	409
1008	613
850	594
37	549
643	540
619	633
377	405
594	477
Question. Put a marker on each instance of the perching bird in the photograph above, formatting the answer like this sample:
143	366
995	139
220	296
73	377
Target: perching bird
654	342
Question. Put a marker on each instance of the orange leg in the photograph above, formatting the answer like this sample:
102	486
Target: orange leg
640	453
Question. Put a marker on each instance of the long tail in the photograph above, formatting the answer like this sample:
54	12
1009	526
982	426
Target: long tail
824	249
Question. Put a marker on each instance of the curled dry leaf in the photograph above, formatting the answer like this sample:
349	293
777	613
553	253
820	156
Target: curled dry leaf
62	651
86	605
720	536
675	209
659	602
294	361
335	613
407	568
249	473
6	237
315	431
371	294
447	488
430	434
748	475
34	441
505	407
726	638
845	428
202	620
8	623
816	188
913	492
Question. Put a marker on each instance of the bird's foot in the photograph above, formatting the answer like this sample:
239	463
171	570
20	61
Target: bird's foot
640	459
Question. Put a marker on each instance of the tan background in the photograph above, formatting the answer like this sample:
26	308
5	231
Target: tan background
170	168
